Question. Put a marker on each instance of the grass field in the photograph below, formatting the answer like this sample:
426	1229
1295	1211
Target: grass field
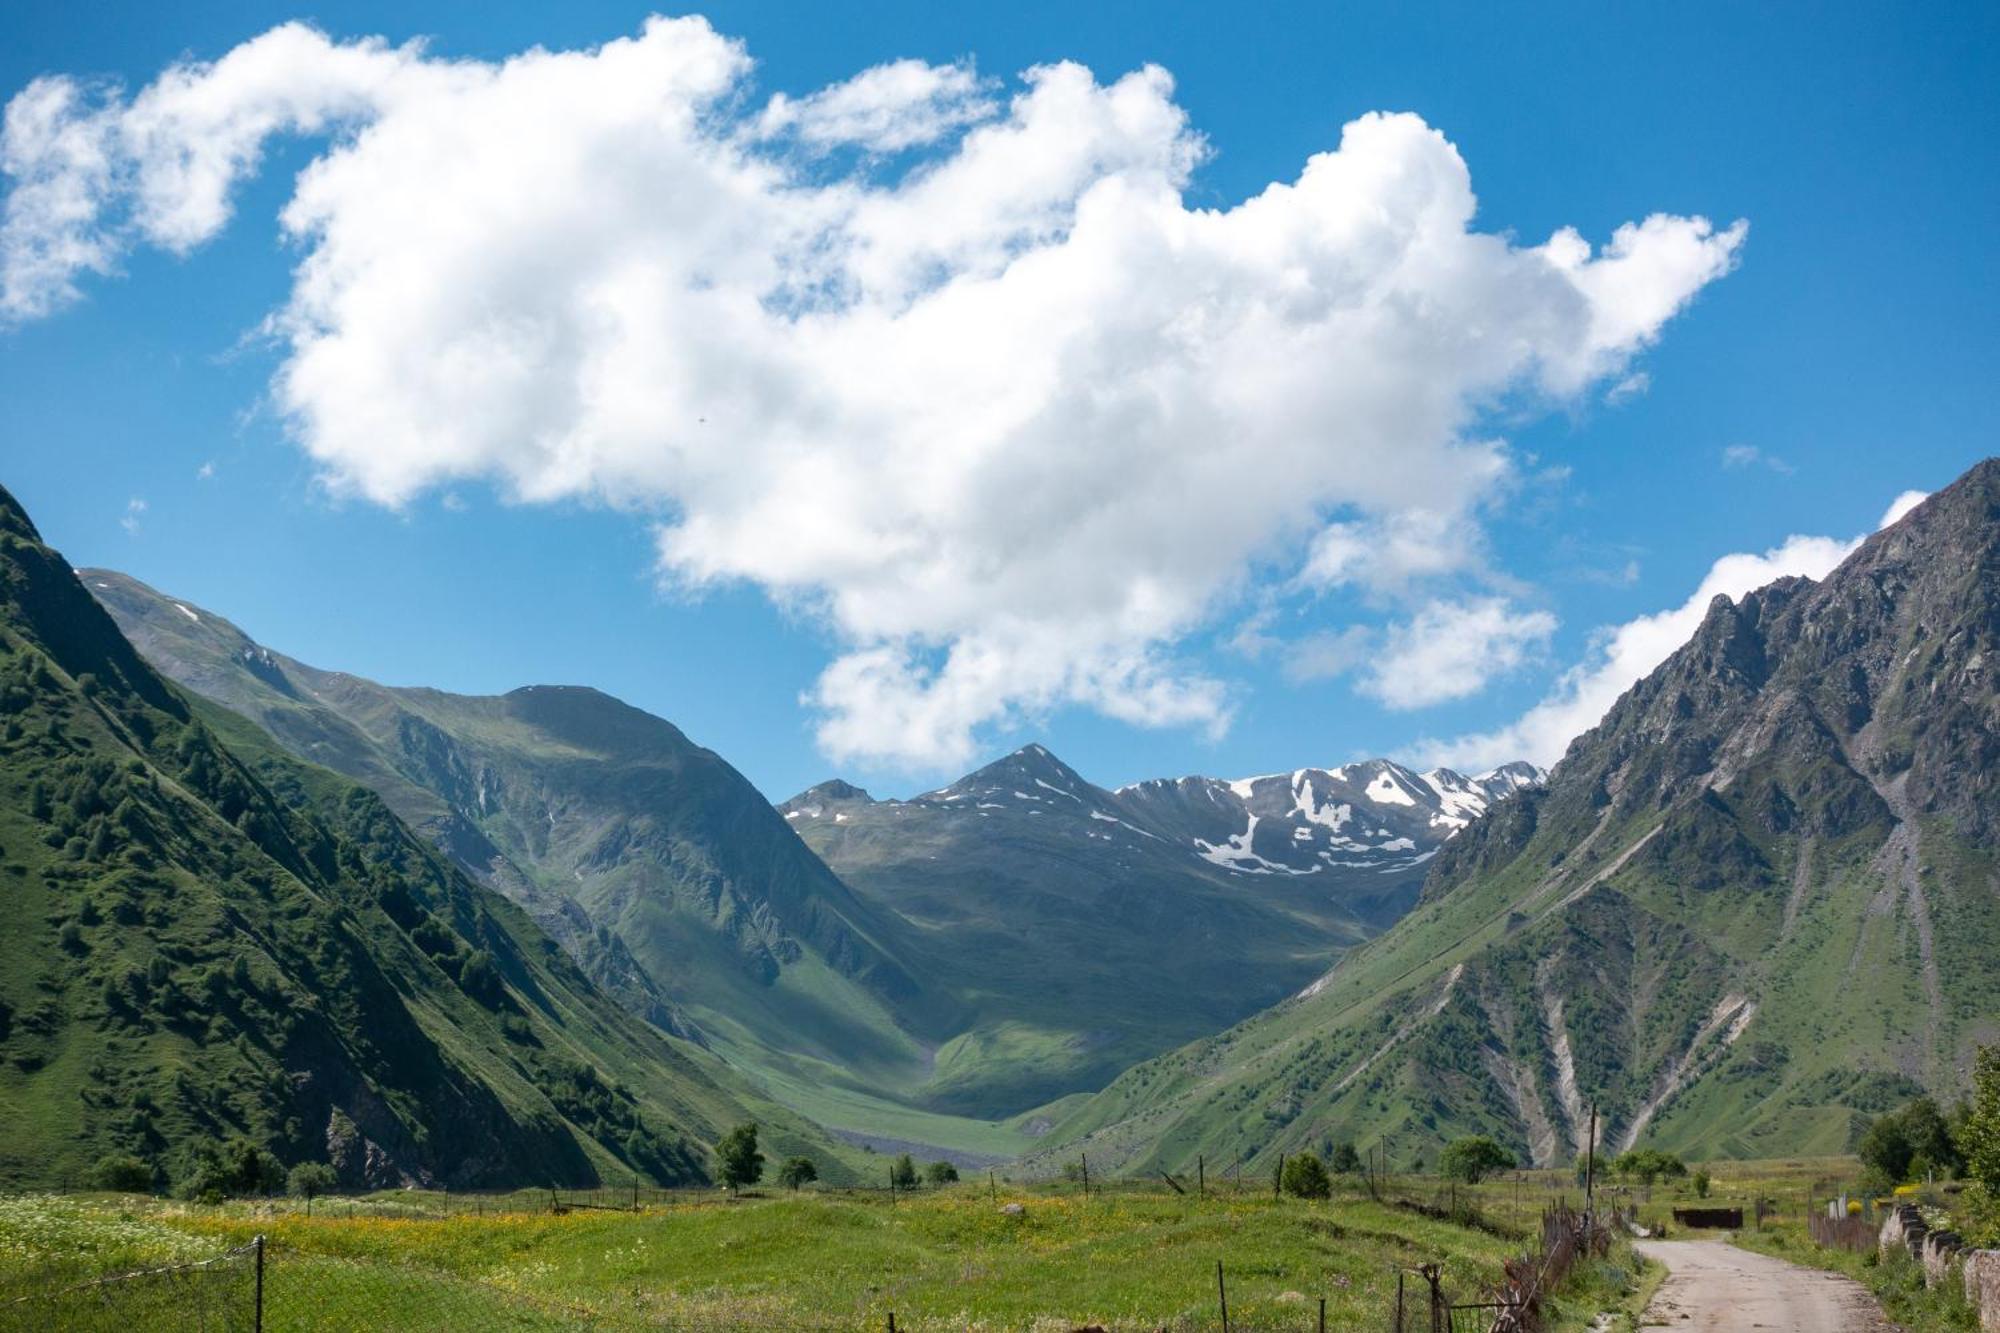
951	1259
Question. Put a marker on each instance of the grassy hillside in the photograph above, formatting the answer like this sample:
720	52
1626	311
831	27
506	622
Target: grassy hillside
1751	908
213	941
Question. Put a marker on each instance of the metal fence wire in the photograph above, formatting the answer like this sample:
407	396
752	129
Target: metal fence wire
219	1295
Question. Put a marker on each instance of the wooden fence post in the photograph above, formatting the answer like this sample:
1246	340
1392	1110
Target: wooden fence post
1277	1177
1222	1295
1201	1175
257	1319
1085	1159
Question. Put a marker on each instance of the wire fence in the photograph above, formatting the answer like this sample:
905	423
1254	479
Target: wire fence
224	1294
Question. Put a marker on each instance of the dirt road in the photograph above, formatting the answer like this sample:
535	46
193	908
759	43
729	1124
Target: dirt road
1713	1287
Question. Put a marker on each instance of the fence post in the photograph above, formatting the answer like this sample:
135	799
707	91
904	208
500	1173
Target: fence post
1322	1314
1085	1159
1277	1177
1399	1300
1222	1295
892	1321
1201	1175
257	1320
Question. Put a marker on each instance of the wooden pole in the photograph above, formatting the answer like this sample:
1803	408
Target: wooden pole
257	1319
1222	1295
1590	1166
1201	1175
1085	1159
1277	1177
1399	1300
992	1187
1322	1314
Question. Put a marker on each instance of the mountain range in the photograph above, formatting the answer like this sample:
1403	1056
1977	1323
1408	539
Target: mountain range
1753	906
904	970
1750	908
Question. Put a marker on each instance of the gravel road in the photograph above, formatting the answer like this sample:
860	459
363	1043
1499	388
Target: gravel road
1713	1287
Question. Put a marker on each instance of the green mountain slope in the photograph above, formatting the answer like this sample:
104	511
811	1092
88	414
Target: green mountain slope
1752	906
208	939
663	871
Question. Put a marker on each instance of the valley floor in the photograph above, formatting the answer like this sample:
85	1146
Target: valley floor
954	1259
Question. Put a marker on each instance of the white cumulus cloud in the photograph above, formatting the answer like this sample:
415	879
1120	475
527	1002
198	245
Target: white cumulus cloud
1622	655
1450	650
1008	416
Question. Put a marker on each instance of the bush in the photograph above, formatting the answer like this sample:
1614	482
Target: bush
1305	1177
737	1160
941	1173
123	1172
797	1171
1472	1159
1345	1161
903	1175
1701	1184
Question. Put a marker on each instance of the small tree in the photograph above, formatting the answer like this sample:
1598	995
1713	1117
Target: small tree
1305	1177
1472	1159
1346	1161
797	1171
941	1173
1701	1183
309	1180
903	1175
736	1157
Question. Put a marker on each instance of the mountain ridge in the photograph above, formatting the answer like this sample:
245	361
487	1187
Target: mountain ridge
1751	907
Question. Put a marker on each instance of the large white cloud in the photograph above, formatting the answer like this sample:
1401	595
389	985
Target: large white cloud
1621	655
983	394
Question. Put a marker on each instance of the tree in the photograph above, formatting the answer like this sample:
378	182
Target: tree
797	1171
1305	1177
123	1172
1701	1184
737	1160
1346	1161
941	1173
1647	1165
309	1180
1913	1141
1472	1159
903	1175
1979	1130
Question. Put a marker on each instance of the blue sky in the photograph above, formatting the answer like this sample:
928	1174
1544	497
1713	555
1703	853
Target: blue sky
1850	346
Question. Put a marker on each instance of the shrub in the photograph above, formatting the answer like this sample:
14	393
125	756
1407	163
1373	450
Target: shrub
1701	1184
941	1173
1345	1161
1472	1159
903	1175
1305	1177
